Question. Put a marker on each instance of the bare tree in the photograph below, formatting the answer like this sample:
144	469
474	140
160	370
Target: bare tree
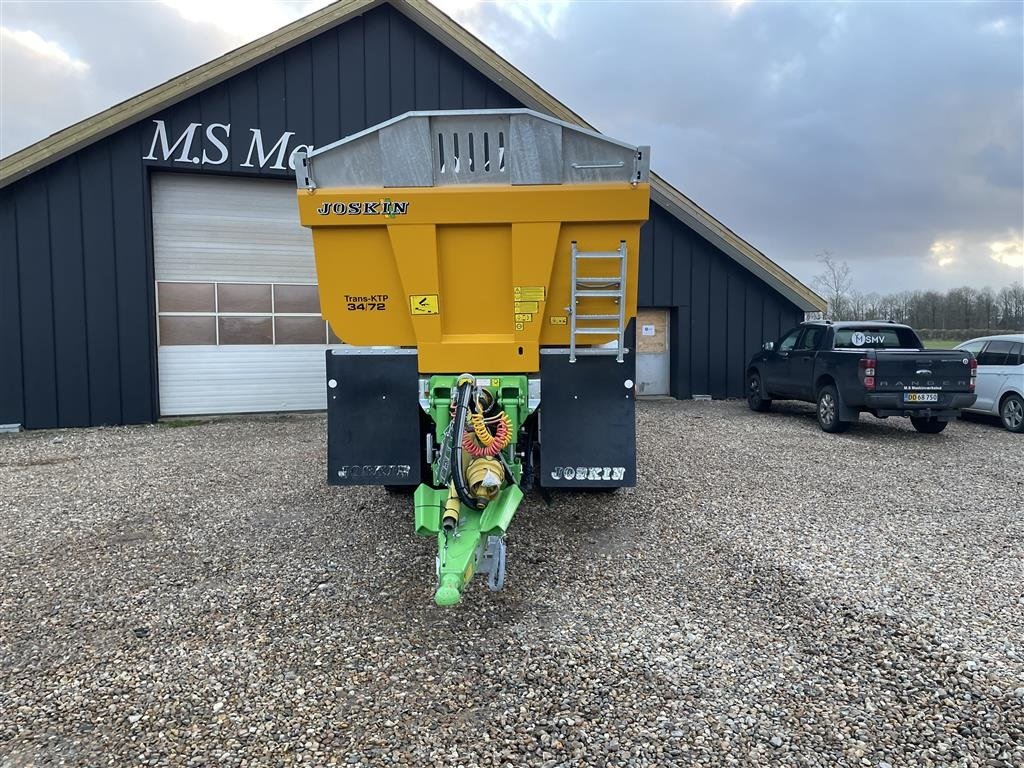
931	312
859	304
835	283
1011	306
962	309
987	308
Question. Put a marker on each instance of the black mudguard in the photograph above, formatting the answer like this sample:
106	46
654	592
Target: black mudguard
587	420
374	422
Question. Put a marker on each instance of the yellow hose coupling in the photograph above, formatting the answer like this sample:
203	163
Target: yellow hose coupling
450	516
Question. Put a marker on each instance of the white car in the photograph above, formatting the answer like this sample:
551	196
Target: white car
1000	386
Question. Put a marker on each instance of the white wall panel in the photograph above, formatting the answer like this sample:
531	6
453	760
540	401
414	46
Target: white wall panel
241	379
213	228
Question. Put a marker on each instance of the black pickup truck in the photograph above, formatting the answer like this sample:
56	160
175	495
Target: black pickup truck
847	368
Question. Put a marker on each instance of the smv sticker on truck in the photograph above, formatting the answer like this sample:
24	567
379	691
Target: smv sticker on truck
859	339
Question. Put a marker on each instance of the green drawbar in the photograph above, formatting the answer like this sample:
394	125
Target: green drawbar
461	551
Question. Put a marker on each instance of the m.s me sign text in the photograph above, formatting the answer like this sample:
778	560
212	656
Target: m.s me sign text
218	135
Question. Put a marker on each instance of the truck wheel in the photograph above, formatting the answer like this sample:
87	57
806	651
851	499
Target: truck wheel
755	394
928	426
1011	412
828	410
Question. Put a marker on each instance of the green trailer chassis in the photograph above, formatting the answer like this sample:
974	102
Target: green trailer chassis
477	544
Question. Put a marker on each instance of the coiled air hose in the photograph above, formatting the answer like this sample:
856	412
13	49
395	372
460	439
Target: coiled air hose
482	433
485	443
463	395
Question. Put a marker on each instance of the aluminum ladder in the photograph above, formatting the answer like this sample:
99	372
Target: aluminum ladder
597	287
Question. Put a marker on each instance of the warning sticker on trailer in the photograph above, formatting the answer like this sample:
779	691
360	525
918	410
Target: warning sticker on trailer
528	293
559	320
527	306
423	304
524	317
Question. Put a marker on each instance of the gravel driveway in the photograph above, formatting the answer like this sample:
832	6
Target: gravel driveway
767	595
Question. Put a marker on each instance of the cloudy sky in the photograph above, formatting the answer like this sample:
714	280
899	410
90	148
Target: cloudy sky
887	133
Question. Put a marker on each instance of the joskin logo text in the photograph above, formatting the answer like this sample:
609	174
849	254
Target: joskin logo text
390	471
588	473
367	208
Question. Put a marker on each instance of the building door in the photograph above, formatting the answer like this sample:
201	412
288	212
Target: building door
652	348
238	317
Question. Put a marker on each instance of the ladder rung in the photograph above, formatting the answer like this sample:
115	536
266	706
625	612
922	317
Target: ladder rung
599	254
599	350
597	317
611	280
598	331
616	294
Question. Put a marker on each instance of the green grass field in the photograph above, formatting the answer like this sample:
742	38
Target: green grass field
942	343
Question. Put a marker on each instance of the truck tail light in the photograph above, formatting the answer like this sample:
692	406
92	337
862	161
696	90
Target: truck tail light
974	374
867	373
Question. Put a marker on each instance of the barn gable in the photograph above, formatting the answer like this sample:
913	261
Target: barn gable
78	320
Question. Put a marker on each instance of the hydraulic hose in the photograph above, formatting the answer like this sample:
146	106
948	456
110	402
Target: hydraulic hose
463	395
450	516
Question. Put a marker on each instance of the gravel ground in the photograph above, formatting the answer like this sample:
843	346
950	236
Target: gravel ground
767	595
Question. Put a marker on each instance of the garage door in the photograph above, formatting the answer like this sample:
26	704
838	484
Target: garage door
238	318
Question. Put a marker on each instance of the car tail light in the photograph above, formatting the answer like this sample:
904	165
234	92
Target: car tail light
867	372
974	374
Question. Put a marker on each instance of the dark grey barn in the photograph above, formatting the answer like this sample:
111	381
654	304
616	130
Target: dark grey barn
95	225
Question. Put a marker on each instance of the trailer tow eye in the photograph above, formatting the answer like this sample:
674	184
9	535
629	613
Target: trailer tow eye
449	585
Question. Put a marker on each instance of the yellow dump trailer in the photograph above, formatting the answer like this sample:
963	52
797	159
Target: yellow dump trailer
481	269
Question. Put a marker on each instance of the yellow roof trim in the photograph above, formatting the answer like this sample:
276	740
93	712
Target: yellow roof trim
449	33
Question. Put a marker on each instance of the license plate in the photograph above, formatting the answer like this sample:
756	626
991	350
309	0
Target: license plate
921	397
